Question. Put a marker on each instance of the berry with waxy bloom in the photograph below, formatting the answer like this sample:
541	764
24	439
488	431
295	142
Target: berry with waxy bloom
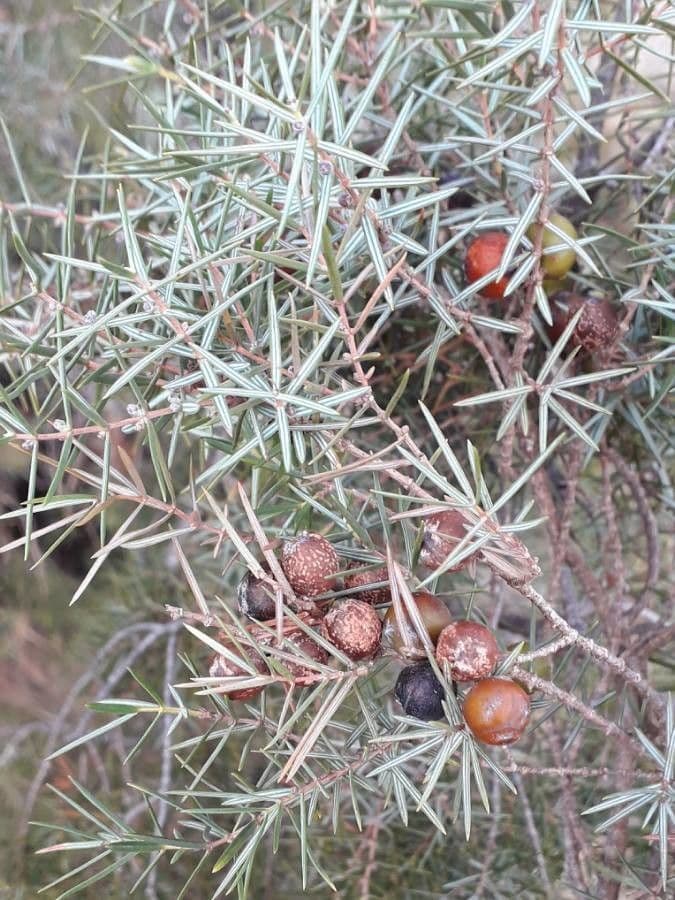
598	325
307	647
353	627
468	648
310	563
361	580
442	532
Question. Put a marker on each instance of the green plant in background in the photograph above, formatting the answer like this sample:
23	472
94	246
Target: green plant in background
306	286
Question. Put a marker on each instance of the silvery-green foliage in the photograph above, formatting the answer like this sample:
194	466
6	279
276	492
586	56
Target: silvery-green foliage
189	349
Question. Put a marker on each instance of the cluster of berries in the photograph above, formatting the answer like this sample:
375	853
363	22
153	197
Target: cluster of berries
495	709
598	325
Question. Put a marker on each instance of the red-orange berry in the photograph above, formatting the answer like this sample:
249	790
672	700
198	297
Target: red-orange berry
497	710
469	649
483	255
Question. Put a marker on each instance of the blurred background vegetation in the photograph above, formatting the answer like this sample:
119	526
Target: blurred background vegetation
45	645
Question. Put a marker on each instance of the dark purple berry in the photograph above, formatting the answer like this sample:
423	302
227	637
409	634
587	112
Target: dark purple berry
255	598
419	692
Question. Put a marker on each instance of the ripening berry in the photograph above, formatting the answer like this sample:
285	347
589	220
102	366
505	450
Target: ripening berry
557	264
483	255
419	692
553	286
442	532
358	580
598	326
354	627
308	647
221	667
255	598
497	710
468	648
310	562
434	614
560	316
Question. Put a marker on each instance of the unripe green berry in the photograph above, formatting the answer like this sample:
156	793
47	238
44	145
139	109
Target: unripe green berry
557	264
